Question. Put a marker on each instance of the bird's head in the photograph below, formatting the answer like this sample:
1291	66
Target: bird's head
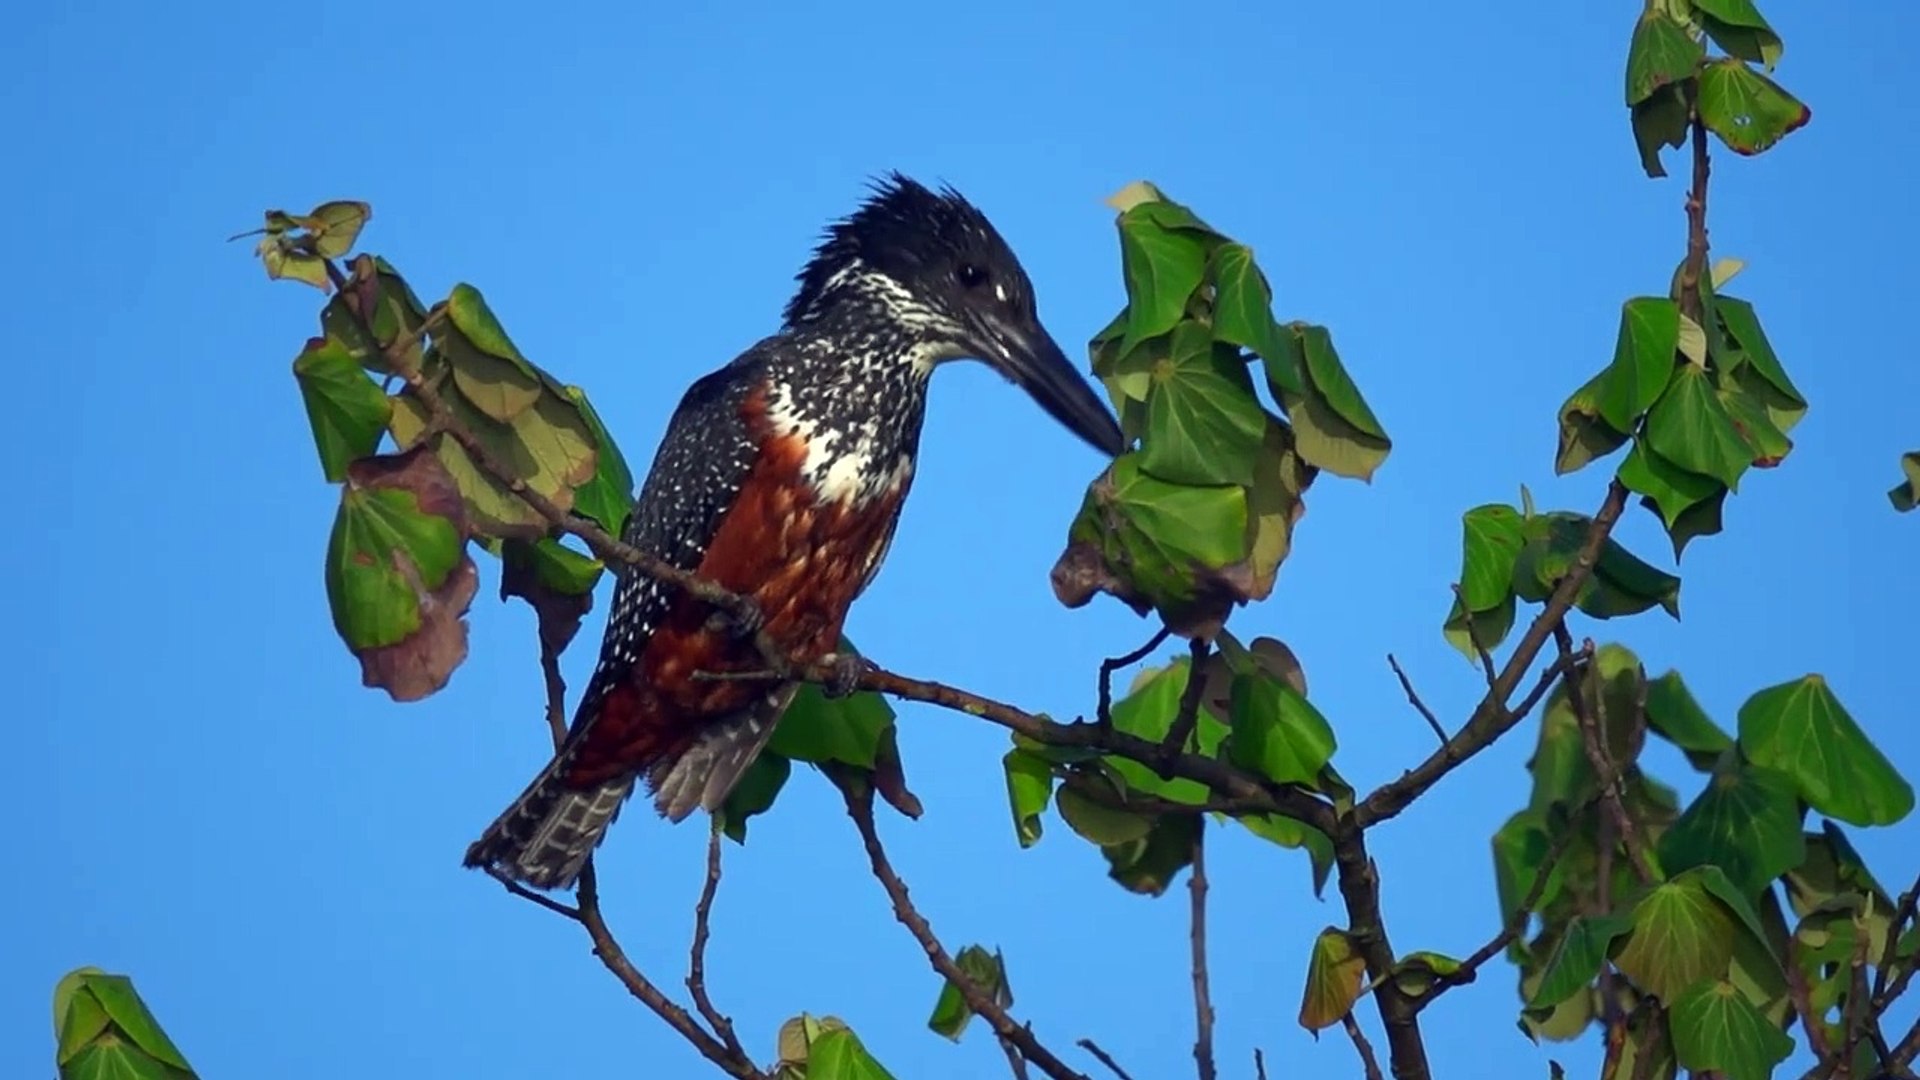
936	271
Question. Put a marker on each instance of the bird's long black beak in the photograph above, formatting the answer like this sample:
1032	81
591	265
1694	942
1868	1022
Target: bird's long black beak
1030	357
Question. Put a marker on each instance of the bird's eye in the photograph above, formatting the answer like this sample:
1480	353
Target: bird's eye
970	275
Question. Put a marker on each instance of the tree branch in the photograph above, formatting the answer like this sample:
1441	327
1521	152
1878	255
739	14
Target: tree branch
1413	698
1188	716
859	799
1104	1058
1399	1013
1202	996
1492	719
721	1024
1367	1061
1516	925
1576	672
1114	663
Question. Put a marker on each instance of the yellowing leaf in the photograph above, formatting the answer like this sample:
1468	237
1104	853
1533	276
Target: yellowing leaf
1335	976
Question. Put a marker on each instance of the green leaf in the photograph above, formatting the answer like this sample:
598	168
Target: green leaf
555	580
1746	822
334	226
985	970
1148	865
1643	360
839	1055
1585	435
347	411
1739	28
1148	712
1335	974
1662	53
1243	316
1520	850
1749	111
399	580
1576	957
1906	495
1152	543
1103	825
1490	546
1204	424
1489	627
1289	833
754	794
283	261
1667	489
1674	715
548	446
1277	732
1746	401
385	549
1621	583
1029	786
1335	387
1659	121
1801	729
1715	1027
1164	266
820	729
1681	935
607	498
1743	325
1691	428
105	1031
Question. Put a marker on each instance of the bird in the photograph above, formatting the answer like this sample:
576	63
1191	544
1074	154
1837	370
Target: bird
780	477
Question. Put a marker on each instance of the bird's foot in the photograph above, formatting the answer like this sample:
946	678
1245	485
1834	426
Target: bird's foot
743	621
848	668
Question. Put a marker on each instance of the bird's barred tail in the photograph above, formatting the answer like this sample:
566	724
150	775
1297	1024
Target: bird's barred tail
544	838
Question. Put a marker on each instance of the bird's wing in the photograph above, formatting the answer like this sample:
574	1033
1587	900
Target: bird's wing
704	456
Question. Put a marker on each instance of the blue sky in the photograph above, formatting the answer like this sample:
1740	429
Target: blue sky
206	799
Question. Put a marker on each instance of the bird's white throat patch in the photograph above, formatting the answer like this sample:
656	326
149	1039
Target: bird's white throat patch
844	463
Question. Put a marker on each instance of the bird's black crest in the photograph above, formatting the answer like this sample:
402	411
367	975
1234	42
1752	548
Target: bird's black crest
903	226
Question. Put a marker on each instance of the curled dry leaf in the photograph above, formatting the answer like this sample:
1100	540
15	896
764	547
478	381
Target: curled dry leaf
414	562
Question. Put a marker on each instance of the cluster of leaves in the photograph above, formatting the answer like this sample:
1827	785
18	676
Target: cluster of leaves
1199	517
823	1048
398	572
103	1030
1702	401
1252	710
1511	554
1671	79
1709	934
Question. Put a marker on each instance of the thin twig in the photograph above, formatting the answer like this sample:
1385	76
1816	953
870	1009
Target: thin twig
1259	1064
1802	997
1202	995
1104	1058
1516	925
1492	719
859	799
1577	673
1643	1051
1188	716
1360	1044
610	953
1413	698
721	1024
1114	663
